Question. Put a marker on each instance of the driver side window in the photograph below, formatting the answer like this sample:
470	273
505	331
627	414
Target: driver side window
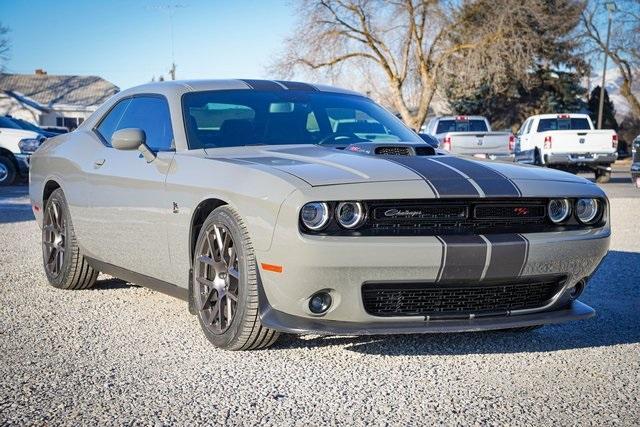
149	113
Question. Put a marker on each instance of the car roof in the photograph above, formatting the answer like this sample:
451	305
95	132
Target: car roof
555	115
183	86
468	117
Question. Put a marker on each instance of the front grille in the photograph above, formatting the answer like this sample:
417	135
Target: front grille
510	211
393	151
453	300
456	217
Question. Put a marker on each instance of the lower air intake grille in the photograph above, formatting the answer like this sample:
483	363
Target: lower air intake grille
432	299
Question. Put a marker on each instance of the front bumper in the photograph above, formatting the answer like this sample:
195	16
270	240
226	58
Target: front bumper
23	161
580	158
341	265
292	324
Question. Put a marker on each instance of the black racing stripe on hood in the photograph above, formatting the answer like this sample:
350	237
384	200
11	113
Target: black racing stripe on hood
491	182
298	86
464	258
509	254
263	85
443	180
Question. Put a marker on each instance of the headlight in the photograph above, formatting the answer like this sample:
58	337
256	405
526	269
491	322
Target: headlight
29	145
350	214
586	210
559	210
315	215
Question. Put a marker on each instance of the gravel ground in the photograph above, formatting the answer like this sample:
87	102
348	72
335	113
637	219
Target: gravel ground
121	354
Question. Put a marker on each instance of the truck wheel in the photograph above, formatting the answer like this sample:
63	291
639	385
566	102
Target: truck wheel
225	284
7	171
65	266
537	158
602	176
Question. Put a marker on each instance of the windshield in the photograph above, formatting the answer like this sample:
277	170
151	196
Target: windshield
473	125
7	123
563	124
234	118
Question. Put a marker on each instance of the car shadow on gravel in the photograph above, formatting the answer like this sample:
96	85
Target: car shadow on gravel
112	283
614	293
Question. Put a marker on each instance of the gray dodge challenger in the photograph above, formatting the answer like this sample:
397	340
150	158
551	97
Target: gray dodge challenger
275	206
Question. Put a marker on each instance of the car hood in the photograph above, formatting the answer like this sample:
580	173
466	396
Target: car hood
320	166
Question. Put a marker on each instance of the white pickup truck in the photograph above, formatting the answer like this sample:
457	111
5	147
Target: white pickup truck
470	135
16	147
569	142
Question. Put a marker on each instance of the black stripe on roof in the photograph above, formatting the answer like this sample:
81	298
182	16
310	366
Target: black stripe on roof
298	86
263	85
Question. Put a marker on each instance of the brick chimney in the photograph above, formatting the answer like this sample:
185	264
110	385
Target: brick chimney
41	72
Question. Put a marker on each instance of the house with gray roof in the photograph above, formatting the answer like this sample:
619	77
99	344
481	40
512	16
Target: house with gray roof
49	100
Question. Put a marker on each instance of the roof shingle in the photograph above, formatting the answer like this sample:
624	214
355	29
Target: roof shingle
49	90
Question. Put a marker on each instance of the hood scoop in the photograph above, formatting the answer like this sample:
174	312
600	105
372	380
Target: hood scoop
386	149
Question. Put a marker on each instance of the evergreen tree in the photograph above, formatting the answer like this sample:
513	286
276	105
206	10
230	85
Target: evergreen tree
608	111
549	91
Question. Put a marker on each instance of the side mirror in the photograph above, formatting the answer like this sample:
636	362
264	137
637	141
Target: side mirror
431	140
132	139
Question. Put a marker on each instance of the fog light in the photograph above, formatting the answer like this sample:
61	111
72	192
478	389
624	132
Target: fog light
320	303
576	291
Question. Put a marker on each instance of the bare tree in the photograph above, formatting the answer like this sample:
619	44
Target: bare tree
624	45
4	46
410	47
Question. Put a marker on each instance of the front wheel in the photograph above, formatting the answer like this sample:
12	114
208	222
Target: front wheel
225	284
7	171
65	266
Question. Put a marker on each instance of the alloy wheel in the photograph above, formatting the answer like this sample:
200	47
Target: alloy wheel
4	172
217	279
54	237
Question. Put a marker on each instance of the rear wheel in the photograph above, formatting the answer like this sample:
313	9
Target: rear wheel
65	266
537	158
225	284
7	171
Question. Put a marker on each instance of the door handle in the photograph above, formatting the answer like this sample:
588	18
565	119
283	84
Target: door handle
98	163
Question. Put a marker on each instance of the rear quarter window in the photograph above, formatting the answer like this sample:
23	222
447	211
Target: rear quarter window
576	123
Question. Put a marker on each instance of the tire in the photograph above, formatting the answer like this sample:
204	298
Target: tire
8	172
225	280
537	158
64	265
602	177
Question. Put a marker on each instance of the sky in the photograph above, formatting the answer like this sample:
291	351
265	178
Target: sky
129	42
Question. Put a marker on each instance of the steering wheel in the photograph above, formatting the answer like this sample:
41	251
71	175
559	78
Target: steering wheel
340	135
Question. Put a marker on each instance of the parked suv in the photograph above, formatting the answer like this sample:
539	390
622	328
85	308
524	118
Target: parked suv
568	142
16	147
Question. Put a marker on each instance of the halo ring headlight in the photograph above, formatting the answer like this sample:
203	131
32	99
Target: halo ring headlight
558	210
587	210
350	215
315	215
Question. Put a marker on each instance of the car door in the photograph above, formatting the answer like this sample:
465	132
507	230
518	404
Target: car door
128	201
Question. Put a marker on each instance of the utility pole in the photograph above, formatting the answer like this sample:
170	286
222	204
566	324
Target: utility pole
611	7
170	9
